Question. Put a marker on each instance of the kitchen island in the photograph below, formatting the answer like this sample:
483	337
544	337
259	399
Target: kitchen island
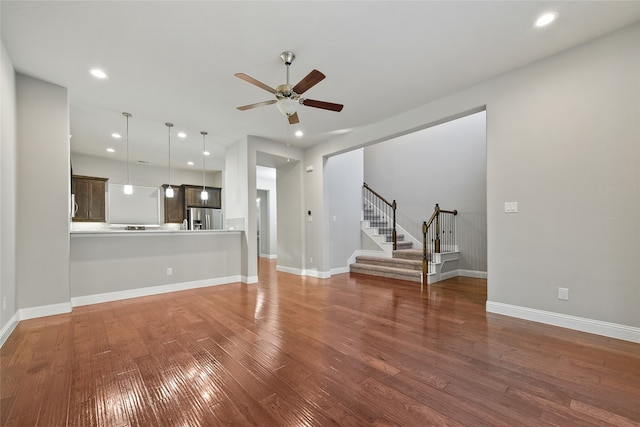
108	265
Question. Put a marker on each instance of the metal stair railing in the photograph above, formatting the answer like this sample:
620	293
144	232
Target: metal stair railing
380	206
442	223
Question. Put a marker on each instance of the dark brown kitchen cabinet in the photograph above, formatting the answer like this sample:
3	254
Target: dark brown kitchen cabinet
174	207
192	197
89	196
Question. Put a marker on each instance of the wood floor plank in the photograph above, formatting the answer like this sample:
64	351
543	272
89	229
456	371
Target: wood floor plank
352	350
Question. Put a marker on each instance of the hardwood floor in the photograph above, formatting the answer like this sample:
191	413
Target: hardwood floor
352	350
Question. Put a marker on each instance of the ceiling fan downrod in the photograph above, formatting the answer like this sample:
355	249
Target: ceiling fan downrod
287	57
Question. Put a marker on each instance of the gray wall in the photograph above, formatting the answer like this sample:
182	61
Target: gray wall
43	196
343	176
290	216
266	180
115	262
240	181
8	190
444	164
566	146
562	141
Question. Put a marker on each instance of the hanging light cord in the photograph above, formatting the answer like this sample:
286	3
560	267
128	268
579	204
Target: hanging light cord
127	115
169	125
204	157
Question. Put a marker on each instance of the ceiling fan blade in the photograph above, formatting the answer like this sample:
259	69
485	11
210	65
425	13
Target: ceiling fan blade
253	81
312	79
293	119
256	105
321	104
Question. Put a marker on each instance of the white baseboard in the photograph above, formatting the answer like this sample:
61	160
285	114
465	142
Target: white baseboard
8	328
317	274
289	270
612	330
340	270
269	256
473	273
459	272
249	279
448	275
44	310
152	290
305	272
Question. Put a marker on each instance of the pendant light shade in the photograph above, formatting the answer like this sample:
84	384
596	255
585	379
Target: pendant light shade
204	195
169	191
128	188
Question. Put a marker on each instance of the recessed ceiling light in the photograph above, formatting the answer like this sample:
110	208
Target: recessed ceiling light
299	133
182	135
190	163
111	150
545	19
206	153
116	135
98	74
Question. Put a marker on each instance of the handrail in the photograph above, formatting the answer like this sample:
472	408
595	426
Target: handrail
426	226
382	210
377	195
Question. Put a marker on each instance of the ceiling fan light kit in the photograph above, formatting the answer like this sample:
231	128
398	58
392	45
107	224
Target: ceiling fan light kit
287	96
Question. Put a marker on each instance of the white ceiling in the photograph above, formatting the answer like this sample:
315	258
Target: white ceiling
175	61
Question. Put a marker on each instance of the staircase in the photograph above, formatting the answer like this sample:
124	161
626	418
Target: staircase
376	221
404	264
379	257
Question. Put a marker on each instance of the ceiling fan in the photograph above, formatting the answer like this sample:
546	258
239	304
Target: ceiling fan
287	96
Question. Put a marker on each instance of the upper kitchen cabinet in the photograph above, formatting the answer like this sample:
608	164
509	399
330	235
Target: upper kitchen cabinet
192	197
174	211
90	195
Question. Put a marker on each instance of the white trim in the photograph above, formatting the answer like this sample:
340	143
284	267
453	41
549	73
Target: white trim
473	273
269	256
598	327
151	290
340	270
249	280
311	273
317	274
8	328
44	310
289	270
448	275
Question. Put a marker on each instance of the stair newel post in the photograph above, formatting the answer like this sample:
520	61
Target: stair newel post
424	253
436	248
393	233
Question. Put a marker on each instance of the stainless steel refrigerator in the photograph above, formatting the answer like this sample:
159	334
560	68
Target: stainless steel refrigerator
204	219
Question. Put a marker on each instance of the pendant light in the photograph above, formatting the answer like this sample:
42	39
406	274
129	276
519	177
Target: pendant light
128	188
169	191
204	195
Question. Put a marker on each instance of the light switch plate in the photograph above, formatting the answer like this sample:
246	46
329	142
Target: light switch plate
563	294
511	207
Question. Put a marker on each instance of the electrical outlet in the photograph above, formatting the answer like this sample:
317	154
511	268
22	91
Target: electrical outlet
510	207
563	294
169	271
